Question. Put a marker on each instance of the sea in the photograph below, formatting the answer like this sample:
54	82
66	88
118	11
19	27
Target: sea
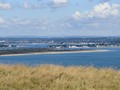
107	59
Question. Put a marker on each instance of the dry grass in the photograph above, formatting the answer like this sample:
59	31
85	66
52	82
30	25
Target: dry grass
51	77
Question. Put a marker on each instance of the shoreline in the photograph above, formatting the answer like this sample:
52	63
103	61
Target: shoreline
55	52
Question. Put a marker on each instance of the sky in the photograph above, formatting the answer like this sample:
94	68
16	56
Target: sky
59	18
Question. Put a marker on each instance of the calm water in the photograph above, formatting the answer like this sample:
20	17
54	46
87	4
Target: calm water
97	59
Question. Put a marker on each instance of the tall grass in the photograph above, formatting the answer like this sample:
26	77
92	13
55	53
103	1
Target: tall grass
51	77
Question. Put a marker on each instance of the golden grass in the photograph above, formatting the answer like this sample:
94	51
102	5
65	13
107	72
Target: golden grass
51	77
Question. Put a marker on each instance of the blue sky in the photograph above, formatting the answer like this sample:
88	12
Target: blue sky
58	18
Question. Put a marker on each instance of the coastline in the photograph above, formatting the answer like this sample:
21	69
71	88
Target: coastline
55	52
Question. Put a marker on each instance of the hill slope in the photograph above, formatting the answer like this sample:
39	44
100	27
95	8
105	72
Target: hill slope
51	77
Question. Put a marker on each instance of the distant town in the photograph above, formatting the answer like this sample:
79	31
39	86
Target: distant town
58	43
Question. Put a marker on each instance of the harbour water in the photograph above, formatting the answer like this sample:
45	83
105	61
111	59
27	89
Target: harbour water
97	59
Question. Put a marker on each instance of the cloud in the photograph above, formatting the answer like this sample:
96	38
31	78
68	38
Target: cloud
101	0
39	0
77	15
93	26
43	4
102	19
104	10
19	21
5	6
2	21
101	10
105	0
26	5
36	24
58	3
37	5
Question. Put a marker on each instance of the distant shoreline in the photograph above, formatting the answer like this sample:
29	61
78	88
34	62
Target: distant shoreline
55	52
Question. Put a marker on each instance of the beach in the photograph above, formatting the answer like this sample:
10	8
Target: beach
55	52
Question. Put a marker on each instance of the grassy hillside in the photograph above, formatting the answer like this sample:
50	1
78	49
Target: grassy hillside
50	77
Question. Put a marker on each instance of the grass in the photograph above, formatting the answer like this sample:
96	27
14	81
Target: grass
51	77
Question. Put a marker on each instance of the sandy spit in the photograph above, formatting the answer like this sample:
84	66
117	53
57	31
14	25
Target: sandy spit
60	52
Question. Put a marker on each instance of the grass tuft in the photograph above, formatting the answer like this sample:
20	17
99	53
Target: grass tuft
51	77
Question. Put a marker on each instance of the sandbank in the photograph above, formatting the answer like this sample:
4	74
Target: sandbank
55	52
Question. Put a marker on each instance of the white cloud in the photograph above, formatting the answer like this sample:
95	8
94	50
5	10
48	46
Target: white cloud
77	15
5	6
104	10
2	21
102	18
26	5
100	0
19	21
101	10
36	24
59	3
43	4
37	5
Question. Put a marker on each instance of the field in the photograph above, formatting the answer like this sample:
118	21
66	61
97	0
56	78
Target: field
51	77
